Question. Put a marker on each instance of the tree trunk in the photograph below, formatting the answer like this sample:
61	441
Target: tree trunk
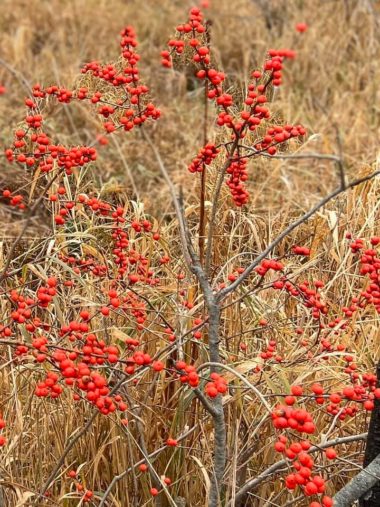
372	497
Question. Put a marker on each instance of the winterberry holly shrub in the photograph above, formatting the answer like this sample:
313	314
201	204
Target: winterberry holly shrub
231	370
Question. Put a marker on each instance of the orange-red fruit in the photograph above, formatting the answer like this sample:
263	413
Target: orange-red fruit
301	27
296	390
330	453
158	366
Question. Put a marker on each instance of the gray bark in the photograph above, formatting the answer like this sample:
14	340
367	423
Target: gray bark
372	497
359	485
218	416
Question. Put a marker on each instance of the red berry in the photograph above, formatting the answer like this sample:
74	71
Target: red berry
301	27
330	453
296	390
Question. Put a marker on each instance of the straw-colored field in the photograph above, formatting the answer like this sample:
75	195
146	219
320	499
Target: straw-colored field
332	88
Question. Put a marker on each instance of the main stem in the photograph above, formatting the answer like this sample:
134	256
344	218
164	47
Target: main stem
202	214
218	415
213	307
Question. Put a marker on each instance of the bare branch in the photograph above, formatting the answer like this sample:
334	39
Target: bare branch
359	485
215	202
301	220
276	467
242	378
317	156
152	455
172	190
20	77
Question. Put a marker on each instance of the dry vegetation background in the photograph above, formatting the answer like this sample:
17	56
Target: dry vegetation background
332	88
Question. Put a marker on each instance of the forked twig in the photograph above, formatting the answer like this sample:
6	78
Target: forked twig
301	220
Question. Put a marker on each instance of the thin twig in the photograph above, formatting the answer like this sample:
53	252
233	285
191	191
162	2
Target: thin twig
150	456
73	441
242	378
172	190
256	481
301	220
28	219
25	83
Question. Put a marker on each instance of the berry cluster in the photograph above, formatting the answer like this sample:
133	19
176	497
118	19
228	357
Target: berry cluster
205	156
188	374
238	175
301	250
296	419
192	37
130	107
269	352
276	136
217	386
14	200
299	420
269	264
33	149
